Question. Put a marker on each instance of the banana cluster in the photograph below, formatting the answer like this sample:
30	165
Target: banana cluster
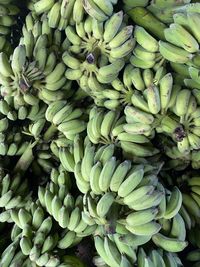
182	44
157	258
113	252
59	13
66	118
34	71
7	16
13	255
146	53
164	10
191	196
194	257
109	127
14	193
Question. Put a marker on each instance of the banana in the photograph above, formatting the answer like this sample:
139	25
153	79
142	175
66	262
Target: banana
176	33
138	115
182	102
105	6
25	245
56	74
24	217
6	199
94	11
141	217
99	245
78	11
194	141
38	217
131	181
94	178
74	219
54	15
138	193
169	244
153	99
141	36
147	229
18	59
137	128
112	26
174	204
106	174
166	85
67	159
53	109
137	79
5	68
143	54
67	240
138	150
108	123
174	53
139	102
119	175
43	6
112	252
72	127
192	21
178	229
123	50
191	205
62	114
121	37
87	162
104	204
108	73
70	61
140	63
152	200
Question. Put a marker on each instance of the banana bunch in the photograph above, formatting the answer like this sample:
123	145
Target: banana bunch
15	108
12	255
182	38
8	14
13	143
157	258
59	13
37	241
146	53
14	193
111	254
33	72
165	11
66	118
91	39
178	160
109	127
194	257
191	194
102	126
39	26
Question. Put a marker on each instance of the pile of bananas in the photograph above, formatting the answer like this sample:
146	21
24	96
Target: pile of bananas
99	133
